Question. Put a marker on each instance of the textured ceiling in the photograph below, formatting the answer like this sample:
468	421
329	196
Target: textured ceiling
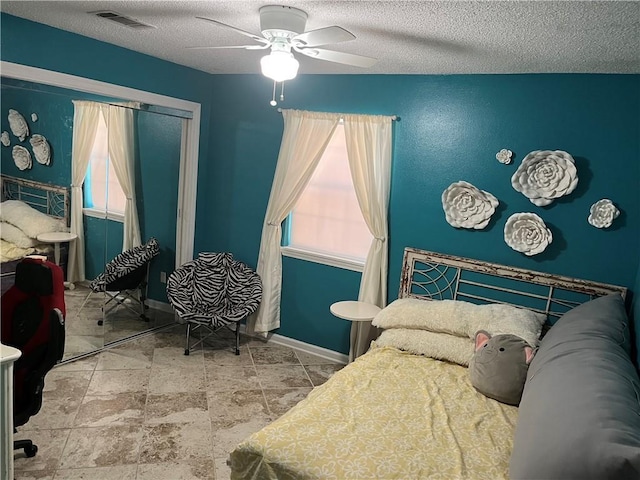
408	37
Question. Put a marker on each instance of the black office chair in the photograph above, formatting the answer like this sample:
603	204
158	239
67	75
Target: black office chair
125	278
33	313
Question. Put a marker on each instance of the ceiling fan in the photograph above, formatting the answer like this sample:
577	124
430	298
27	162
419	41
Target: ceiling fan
282	31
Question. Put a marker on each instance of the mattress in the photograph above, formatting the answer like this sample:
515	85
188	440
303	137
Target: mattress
388	415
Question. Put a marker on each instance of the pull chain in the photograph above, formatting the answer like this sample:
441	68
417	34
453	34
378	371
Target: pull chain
282	93
273	102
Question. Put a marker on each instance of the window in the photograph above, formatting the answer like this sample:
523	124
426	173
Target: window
326	224
103	195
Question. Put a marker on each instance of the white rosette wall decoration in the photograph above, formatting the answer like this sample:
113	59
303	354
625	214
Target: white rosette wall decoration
466	206
4	138
21	157
41	149
504	156
545	175
603	213
527	233
18	124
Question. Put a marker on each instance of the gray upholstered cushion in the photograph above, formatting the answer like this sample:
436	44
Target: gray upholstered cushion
579	416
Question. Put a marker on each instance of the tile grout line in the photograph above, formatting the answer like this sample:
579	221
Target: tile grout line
72	427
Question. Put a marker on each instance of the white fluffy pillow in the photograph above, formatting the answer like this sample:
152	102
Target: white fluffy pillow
464	319
28	219
440	346
13	234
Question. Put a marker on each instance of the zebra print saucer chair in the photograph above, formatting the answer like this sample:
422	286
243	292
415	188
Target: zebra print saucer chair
212	292
125	277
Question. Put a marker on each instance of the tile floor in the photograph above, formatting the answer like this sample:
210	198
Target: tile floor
143	410
84	310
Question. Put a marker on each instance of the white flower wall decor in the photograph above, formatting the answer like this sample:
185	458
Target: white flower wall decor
34	117
527	233
466	206
603	213
545	175
41	149
504	156
21	157
18	124
4	138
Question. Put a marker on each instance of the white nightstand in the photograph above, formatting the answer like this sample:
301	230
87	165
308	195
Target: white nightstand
8	355
57	238
354	311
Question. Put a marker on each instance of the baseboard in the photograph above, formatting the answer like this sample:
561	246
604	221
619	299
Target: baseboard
311	349
302	346
163	307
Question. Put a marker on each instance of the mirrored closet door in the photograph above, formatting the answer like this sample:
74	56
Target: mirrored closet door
162	141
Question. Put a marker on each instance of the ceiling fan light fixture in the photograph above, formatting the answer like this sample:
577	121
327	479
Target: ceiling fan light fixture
279	66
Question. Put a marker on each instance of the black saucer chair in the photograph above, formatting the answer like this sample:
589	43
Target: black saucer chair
125	278
212	292
33	313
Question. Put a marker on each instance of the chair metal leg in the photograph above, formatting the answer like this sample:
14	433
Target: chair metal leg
237	338
142	298
186	350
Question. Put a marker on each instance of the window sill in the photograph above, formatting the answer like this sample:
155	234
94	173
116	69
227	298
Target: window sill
323	258
95	213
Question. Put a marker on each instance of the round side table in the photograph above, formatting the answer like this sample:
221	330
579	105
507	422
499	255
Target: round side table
57	238
354	311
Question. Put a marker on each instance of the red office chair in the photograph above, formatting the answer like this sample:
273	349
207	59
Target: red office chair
33	312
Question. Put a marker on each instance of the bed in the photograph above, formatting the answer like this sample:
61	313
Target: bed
29	208
406	409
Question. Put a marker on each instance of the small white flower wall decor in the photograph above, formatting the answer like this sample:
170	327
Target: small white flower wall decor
466	206
527	233
603	213
545	175
504	156
4	138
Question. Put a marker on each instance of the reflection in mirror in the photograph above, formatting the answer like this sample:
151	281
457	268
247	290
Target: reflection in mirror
94	318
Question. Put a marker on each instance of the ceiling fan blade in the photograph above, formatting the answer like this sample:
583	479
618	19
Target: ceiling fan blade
323	36
246	47
235	29
338	57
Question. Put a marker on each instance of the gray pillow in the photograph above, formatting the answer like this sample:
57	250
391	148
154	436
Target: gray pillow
579	417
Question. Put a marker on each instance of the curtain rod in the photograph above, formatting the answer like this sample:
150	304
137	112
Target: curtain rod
393	117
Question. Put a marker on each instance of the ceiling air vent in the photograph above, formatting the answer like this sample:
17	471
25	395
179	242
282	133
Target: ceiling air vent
122	20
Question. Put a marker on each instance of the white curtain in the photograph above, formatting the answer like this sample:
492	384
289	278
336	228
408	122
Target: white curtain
369	142
85	124
121	144
304	140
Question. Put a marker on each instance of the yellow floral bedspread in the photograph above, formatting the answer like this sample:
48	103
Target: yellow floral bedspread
388	415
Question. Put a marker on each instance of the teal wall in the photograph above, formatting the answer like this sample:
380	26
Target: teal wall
55	122
450	129
635	316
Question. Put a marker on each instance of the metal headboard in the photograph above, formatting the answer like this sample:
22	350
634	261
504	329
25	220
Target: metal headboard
50	199
430	276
